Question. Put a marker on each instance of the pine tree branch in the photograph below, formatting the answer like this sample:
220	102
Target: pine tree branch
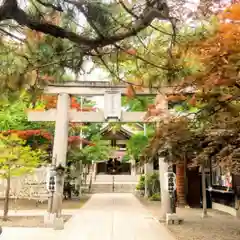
49	5
10	10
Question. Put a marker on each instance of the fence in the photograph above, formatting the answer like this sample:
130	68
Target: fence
29	186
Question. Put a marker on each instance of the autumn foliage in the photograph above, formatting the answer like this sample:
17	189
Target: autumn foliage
27	134
51	102
219	53
131	51
133	88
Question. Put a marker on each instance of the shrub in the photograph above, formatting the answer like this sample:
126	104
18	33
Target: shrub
155	197
141	183
153	184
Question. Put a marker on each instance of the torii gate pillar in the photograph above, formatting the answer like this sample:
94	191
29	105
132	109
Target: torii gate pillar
54	215
61	130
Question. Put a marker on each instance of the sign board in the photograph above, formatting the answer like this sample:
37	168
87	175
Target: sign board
51	184
112	105
51	180
170	181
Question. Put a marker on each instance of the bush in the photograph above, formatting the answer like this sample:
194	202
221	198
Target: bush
155	197
141	183
153	184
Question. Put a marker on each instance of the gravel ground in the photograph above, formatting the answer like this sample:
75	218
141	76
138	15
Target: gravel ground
27	221
21	218
26	204
217	226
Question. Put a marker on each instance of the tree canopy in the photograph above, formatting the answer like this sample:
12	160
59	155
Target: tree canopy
40	39
142	43
213	129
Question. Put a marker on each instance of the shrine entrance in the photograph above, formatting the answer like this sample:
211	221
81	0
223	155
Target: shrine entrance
63	115
114	167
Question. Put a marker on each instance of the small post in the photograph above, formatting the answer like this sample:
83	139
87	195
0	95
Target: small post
165	198
113	187
146	190
204	196
171	188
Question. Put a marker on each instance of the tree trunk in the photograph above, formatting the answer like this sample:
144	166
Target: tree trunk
79	177
6	200
185	179
237	206
204	196
180	182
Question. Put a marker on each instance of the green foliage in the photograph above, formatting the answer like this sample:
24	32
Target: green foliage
153	184
76	154
98	152
151	130
126	158
17	159
155	197
13	114
136	144
137	104
141	183
91	129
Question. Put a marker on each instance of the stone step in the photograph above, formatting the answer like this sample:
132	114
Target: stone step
116	178
108	188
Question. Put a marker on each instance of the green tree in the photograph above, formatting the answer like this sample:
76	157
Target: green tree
107	22
15	160
137	104
91	129
13	114
99	151
136	145
58	35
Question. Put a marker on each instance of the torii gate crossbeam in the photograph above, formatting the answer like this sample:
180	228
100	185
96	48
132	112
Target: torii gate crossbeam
94	88
93	117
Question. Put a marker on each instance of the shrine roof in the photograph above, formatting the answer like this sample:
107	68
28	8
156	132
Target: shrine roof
124	130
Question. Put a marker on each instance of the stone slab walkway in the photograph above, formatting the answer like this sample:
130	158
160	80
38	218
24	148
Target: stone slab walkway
104	217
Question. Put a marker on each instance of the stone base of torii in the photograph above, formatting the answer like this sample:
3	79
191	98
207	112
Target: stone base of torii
62	116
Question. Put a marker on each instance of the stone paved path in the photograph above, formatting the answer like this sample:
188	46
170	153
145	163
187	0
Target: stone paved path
106	217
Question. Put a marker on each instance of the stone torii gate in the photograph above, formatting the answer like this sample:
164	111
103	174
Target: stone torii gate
63	115
112	112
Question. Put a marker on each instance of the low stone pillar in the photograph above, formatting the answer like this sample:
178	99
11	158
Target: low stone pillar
148	170
180	184
94	171
165	196
237	206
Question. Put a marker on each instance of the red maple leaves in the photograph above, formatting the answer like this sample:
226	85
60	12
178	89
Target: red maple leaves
51	102
27	134
77	139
